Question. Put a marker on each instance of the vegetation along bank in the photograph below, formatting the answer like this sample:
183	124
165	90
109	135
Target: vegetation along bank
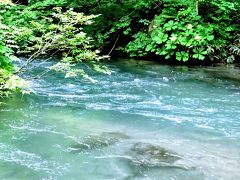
79	31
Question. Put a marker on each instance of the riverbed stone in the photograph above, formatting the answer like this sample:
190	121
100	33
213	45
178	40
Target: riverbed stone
151	155
100	141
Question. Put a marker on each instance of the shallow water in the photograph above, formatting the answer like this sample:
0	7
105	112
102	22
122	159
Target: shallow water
145	121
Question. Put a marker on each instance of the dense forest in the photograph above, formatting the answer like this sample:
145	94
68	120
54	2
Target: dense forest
79	31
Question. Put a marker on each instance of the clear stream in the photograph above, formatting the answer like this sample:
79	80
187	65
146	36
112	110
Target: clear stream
145	121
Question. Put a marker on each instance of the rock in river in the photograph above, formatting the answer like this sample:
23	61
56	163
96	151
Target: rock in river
150	155
93	142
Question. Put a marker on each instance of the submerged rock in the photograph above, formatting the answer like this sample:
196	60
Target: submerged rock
150	155
145	159
93	142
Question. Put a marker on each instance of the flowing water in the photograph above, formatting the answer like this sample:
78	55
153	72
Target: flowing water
145	121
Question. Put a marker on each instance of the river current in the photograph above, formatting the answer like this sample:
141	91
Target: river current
145	121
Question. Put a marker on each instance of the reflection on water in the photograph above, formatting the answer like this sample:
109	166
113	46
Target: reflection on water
146	121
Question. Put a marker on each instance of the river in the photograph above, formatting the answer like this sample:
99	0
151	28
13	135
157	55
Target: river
145	121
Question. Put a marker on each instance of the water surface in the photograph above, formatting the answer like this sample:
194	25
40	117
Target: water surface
122	126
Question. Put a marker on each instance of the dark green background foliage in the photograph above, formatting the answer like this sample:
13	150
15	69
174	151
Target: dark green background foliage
181	30
167	29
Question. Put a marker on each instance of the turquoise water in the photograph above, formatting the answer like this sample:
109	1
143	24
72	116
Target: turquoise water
145	121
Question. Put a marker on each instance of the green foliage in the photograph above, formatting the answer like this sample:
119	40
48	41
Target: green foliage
39	31
167	28
6	65
180	36
5	57
119	20
179	33
5	68
173	29
8	81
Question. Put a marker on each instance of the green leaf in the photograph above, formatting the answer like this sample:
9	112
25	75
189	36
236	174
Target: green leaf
160	38
201	57
170	25
149	47
210	38
198	56
170	46
182	56
168	56
163	53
